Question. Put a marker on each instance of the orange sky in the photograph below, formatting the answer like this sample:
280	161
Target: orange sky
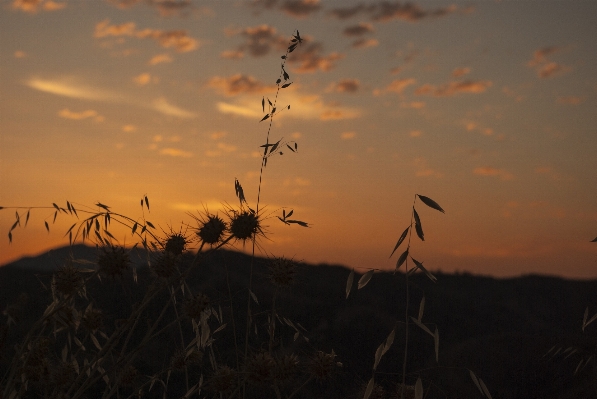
489	109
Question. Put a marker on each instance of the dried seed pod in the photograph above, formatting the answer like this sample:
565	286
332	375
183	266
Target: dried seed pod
222	380
211	230
260	368
286	367
244	225
92	319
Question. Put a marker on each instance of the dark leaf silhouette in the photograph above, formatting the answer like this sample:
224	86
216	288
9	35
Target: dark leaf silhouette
106	206
401	259
264	118
263	104
27	219
278	81
285	85
47	227
430	203
286	77
420	266
418	226
304	224
239	191
147	202
290	148
150	224
55	214
595	240
402	237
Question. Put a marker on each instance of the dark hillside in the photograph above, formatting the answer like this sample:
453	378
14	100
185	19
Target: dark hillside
499	328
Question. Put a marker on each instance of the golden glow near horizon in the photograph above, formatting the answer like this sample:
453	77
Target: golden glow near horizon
488	109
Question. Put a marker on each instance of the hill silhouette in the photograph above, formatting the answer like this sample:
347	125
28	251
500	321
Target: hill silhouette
499	328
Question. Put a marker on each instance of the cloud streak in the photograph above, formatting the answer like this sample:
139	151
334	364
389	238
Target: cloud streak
386	11
177	39
453	88
33	6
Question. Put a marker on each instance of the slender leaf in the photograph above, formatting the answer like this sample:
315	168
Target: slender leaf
475	380
47	227
378	355
430	203
264	118
436	342
422	326
485	390
594	240
286	85
421	308
369	388
402	237
150	224
349	282
9	237
419	389
365	278
147	202
27	218
401	259
134	228
420	266
418	226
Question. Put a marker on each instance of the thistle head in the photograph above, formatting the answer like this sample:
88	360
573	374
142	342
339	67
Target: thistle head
165	265
222	380
113	261
175	243
323	365
282	271
67	280
195	305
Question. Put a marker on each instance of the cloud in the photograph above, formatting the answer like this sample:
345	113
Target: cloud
459	72
550	69
166	8
90	113
396	86
69	88
307	107
309	59
453	88
177	39
489	171
413	104
571	100
423	169
73	89
222	148
259	41
345	86
300	8
163	106
386	11
145	78
348	135
358	30
239	84
543	66
32	6
415	133
364	43
19	54
160	58
129	128
174	152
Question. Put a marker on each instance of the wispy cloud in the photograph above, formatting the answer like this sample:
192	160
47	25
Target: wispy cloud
396	86
165	8
33	6
259	41
303	107
160	58
145	78
19	54
177	39
348	135
73	88
69	87
87	114
239	84
459	72
358	30
543	66
174	152
221	149
365	43
310	59
295	8
345	86
570	100
422	169
386	11
489	171
163	106
453	88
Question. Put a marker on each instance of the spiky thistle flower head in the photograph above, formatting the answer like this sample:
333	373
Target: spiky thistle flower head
165	265
222	380
113	261
245	223
67	280
260	367
211	229
323	365
282	271
286	367
92	319
175	243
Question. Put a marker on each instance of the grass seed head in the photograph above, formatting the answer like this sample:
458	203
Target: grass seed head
113	261
211	230
194	306
67	280
282	271
180	359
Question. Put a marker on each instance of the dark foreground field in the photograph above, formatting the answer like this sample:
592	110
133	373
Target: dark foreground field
499	328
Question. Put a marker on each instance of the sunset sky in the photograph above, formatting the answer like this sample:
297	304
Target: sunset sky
487	107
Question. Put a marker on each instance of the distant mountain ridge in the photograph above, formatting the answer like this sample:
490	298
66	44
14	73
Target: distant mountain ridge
500	328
